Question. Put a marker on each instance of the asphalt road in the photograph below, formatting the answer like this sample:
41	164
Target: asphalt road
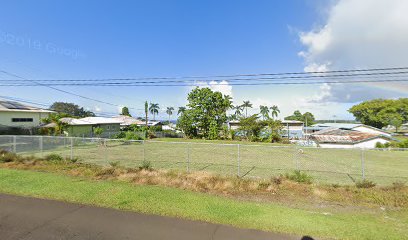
29	218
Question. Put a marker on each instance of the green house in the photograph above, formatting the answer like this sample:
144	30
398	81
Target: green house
84	127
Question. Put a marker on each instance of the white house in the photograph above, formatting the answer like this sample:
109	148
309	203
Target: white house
18	115
340	138
352	126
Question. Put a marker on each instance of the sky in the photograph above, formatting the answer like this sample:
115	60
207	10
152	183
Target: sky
160	38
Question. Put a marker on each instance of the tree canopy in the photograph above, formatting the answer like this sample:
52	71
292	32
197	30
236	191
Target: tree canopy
205	109
305	117
125	111
381	112
71	109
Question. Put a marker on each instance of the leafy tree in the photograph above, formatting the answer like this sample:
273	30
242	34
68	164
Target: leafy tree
298	116
181	110
146	108
154	109
381	112
275	127
71	109
169	112
213	131
264	111
238	111
251	127
55	118
204	107
125	111
98	131
246	105
274	111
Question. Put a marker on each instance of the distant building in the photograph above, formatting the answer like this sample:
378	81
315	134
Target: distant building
347	126
14	115
292	129
84	127
126	121
341	138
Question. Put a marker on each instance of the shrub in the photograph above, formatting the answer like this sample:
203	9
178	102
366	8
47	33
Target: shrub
299	177
263	185
132	136
114	164
54	157
146	165
379	145
365	184
277	180
6	156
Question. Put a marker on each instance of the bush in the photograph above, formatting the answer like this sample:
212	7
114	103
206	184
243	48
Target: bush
6	156
132	136
299	177
146	165
379	145
54	157
365	184
114	164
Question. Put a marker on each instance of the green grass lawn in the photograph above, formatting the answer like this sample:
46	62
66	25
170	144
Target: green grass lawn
321	222
327	166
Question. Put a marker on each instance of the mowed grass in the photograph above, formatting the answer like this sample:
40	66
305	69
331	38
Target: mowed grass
327	166
198	206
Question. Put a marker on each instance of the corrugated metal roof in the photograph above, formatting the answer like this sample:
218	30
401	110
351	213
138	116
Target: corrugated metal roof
342	136
90	121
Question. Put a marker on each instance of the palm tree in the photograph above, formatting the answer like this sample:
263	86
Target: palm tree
146	111
169	111
154	109
228	98
246	105
275	111
264	110
238	111
181	110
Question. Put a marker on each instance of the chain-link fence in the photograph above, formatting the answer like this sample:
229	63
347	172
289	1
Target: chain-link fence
327	166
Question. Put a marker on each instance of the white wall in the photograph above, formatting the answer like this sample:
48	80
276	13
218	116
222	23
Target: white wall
5	119
366	144
370	130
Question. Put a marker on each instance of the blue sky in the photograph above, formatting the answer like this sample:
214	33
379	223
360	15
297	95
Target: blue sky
111	39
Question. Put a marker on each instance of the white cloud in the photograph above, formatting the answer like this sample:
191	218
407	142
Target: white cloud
359	34
221	86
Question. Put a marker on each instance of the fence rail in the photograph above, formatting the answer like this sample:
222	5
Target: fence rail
328	166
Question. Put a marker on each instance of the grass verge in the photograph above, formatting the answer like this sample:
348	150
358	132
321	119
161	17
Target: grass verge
198	206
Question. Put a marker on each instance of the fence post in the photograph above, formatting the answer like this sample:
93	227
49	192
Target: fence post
41	145
72	149
188	156
362	164
239	161
14	144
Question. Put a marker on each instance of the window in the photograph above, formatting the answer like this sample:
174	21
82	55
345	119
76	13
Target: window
22	120
108	127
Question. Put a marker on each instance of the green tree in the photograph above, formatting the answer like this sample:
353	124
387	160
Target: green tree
396	122
154	109
246	105
146	108
55	119
98	131
204	107
169	112
298	116
213	131
71	109
380	112
264	111
238	112
274	111
251	127
125	111
275	127
181	110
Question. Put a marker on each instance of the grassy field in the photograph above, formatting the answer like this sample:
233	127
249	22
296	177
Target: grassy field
328	166
320	222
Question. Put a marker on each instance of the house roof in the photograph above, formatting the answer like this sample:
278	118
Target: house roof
347	126
126	120
292	122
341	136
11	106
89	121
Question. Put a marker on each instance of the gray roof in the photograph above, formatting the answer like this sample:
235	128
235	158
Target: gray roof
11	106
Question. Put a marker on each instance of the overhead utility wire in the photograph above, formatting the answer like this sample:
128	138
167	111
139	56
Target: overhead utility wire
60	90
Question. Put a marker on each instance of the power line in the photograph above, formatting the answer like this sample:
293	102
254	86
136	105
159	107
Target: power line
60	90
